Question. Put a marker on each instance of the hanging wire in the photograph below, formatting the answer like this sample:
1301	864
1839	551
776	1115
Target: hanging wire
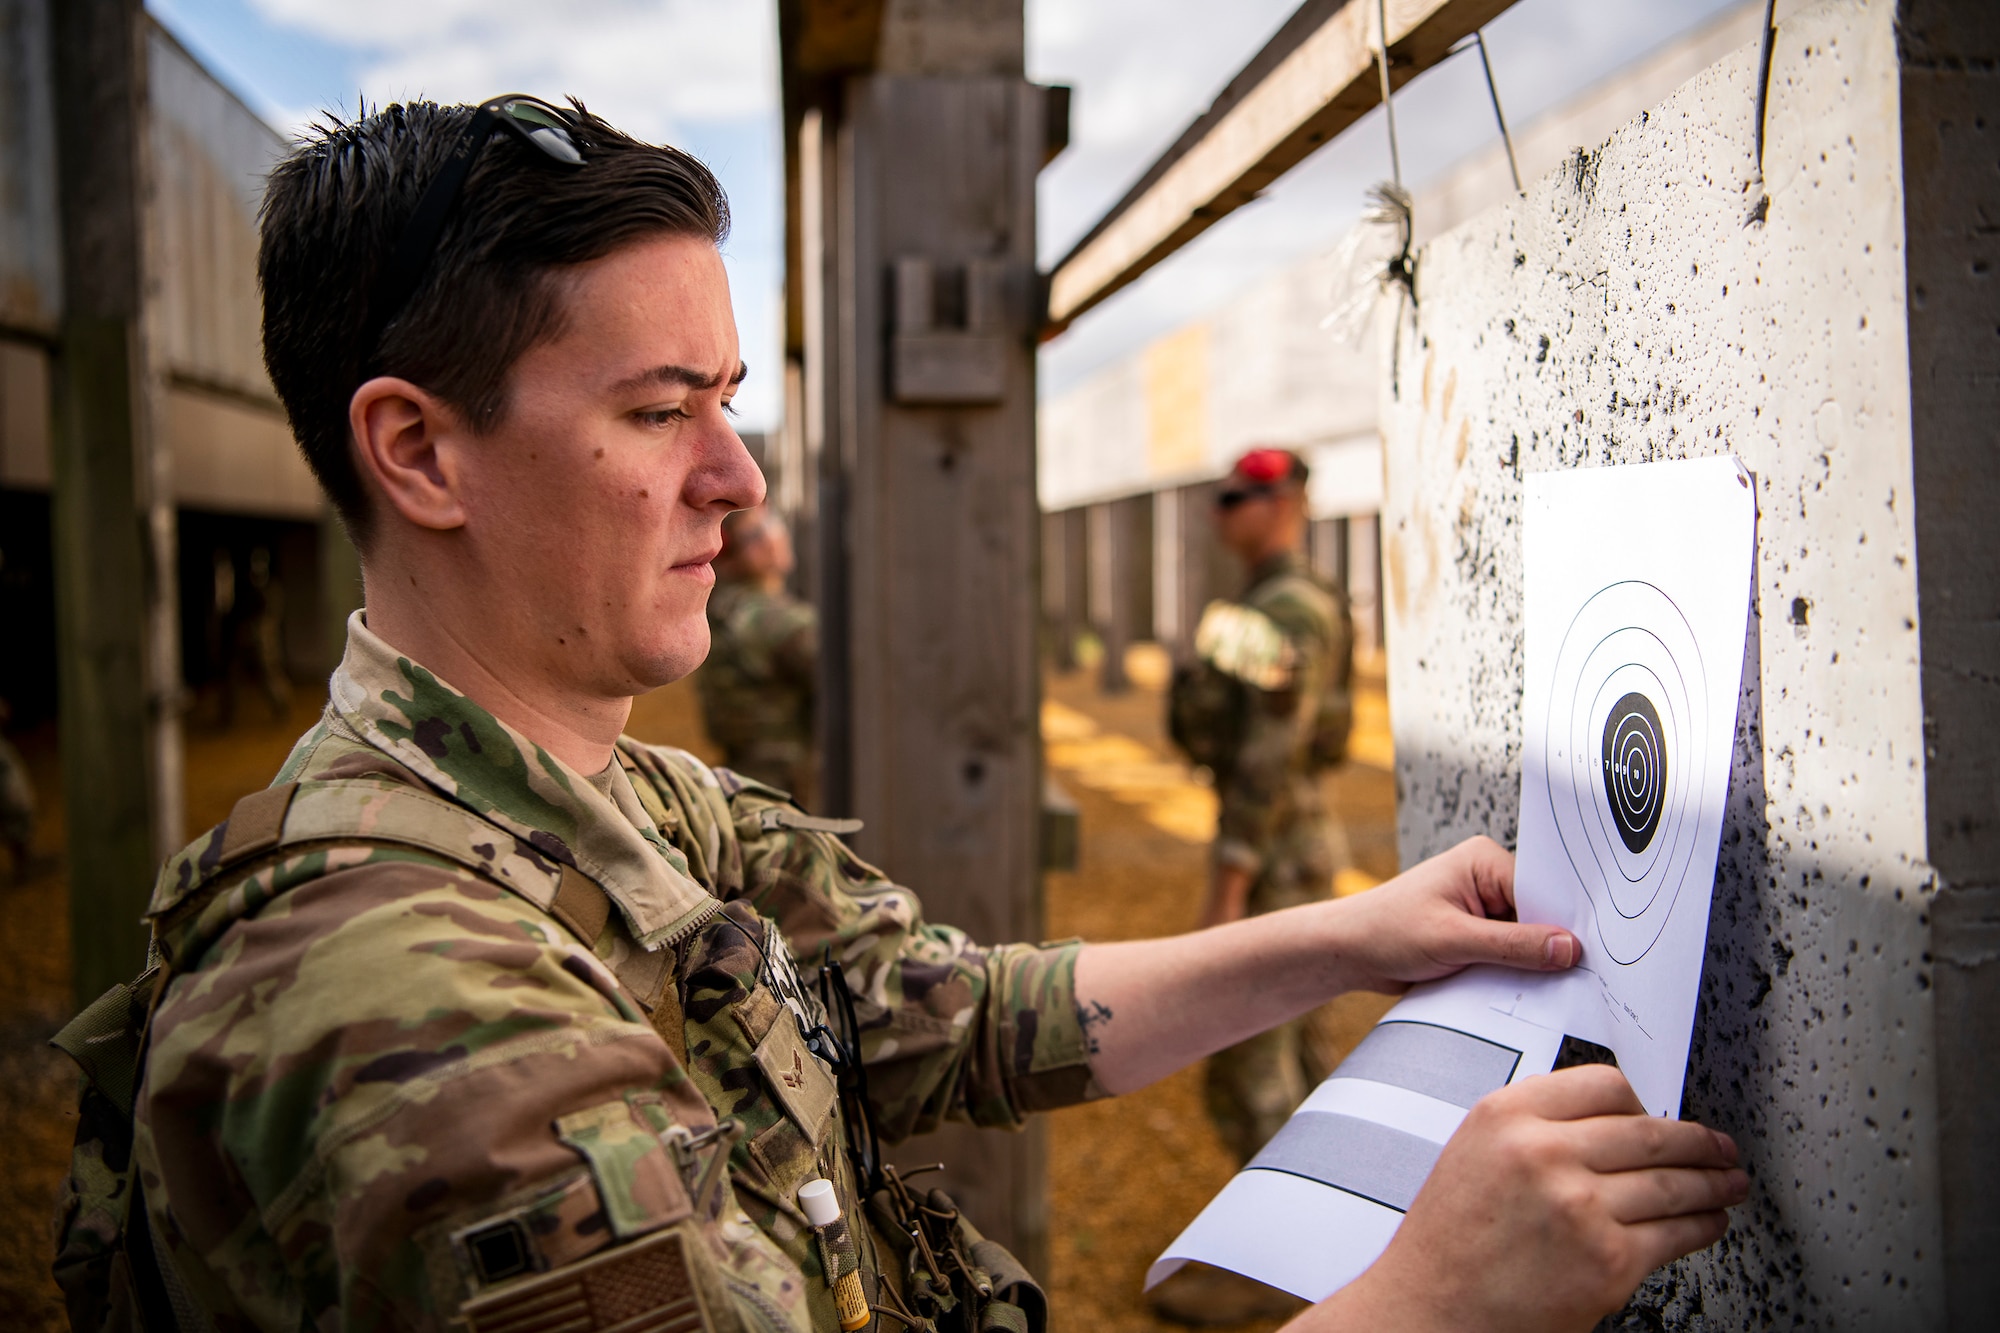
1478	39
1760	203
1493	91
1388	104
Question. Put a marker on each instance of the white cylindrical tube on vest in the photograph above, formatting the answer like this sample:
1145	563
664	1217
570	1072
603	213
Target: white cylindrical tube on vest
837	1253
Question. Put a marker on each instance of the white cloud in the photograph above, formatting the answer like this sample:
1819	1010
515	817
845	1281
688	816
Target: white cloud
654	67
702	74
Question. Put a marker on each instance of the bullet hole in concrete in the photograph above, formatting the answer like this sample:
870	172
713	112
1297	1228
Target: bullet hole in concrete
1801	610
1543	354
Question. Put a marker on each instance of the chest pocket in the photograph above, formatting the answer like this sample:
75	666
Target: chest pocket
751	1053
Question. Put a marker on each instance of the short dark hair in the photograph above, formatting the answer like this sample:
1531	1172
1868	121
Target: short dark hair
335	207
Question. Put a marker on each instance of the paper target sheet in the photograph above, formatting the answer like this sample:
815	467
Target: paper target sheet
1636	582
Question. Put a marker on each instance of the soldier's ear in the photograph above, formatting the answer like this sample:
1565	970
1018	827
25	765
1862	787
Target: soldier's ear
399	434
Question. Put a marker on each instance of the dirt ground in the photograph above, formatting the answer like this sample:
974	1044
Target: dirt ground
1118	1196
1127	1175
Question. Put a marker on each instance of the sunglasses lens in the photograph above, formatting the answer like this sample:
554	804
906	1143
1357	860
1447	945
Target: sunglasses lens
1230	499
548	131
532	114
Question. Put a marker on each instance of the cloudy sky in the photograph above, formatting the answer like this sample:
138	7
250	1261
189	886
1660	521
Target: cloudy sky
703	74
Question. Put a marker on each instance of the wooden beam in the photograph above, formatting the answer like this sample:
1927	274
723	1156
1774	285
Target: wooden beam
1311	81
101	518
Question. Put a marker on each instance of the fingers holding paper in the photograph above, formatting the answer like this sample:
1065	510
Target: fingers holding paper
1451	912
1556	1197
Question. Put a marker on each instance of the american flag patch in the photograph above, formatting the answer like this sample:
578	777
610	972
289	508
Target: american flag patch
643	1287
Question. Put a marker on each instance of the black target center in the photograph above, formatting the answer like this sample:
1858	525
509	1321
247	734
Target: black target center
1635	770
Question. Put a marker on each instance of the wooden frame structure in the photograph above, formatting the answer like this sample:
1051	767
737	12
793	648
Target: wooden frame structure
1313	79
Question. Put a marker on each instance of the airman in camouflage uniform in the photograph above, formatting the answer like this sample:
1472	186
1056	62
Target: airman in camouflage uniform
757	685
321	1138
1279	659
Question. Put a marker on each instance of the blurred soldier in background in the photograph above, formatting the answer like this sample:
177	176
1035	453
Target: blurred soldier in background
247	621
757	685
1265	707
17	803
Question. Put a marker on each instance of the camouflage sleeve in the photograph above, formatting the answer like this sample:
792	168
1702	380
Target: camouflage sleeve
1276	732
396	1087
950	1029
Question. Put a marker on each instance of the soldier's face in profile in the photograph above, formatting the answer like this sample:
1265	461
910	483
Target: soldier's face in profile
597	504
1245	524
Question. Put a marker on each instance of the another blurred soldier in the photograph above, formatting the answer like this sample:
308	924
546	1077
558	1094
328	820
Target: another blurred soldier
17	803
252	613
1265	706
757	685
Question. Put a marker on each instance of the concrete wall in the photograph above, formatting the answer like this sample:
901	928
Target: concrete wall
1259	371
1625	312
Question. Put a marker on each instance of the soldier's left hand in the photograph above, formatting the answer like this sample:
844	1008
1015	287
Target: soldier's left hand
1449	912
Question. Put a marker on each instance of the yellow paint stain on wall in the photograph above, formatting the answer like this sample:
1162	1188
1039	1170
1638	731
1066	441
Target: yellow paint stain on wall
1176	370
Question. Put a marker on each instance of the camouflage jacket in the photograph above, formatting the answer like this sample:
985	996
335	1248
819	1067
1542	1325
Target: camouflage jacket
1286	640
386	1090
757	685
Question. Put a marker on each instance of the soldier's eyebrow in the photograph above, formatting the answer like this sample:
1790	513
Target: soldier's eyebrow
684	377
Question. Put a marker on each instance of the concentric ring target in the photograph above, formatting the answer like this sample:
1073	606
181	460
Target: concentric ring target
1624	767
1635	766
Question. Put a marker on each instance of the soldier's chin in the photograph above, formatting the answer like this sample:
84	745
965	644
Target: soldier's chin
683	648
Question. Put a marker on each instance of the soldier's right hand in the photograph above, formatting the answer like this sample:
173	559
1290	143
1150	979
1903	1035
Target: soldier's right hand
1552	1202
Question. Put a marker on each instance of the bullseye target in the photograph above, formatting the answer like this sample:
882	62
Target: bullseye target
1623	760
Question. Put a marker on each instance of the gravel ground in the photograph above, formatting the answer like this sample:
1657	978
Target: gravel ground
1128	1174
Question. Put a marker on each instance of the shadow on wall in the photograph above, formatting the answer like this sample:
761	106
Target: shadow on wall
1728	1076
1775	1047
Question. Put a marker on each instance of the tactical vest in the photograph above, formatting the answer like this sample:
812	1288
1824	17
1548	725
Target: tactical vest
114	1277
1208	707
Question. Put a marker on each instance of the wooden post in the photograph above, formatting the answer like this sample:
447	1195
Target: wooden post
1110	593
1058	611
104	493
1075	574
945	759
912	146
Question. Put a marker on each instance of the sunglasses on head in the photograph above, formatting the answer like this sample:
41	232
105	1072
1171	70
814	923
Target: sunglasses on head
548	129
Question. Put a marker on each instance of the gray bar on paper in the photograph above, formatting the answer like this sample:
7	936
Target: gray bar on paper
1444	1063
1380	1164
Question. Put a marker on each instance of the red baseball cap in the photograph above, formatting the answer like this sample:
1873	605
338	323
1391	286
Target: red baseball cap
1263	472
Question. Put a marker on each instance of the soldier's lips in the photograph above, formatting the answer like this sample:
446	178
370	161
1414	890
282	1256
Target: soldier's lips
701	571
